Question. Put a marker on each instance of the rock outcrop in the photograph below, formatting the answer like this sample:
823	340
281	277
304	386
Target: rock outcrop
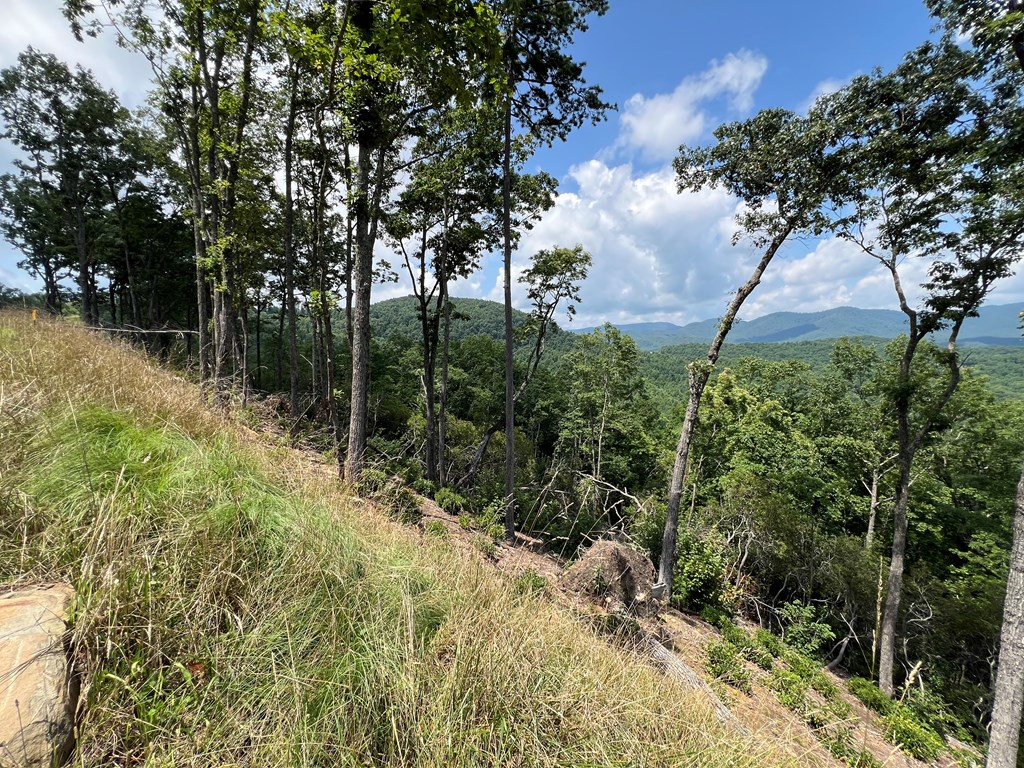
37	691
615	574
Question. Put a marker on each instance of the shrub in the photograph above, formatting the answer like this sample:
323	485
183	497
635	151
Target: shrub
790	690
715	616
436	529
750	651
485	544
700	572
424	487
725	664
870	695
529	581
450	501
466	522
805	630
769	641
904	730
809	670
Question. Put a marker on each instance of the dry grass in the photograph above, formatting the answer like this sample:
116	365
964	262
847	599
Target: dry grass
236	607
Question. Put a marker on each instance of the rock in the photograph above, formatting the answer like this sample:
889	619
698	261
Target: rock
615	574
37	691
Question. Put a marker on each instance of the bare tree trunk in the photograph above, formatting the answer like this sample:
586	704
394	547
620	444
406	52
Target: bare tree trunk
510	403
1009	685
869	539
442	416
894	585
362	277
699	373
289	256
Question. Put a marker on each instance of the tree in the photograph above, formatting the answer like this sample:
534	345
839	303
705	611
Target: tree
932	169
778	163
204	57
408	59
545	94
442	223
73	136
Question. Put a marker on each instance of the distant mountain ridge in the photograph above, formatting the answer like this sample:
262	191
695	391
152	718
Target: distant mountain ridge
996	325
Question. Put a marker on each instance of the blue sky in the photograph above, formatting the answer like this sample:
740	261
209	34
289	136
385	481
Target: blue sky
676	69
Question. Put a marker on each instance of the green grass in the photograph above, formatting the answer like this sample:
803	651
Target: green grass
234	605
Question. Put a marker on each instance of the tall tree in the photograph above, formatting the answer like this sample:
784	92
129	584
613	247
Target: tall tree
779	164
545	95
204	58
76	161
931	161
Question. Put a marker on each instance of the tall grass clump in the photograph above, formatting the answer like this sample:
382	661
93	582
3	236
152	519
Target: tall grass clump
235	606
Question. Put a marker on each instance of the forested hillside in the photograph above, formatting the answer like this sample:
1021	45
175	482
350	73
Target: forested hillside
842	502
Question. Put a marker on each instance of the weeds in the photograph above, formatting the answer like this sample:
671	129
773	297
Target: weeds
235	605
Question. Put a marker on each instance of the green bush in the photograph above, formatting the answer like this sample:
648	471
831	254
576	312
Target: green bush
903	729
466	522
769	641
485	544
700	572
810	671
870	695
790	690
715	616
450	501
725	664
805	629
424	487
436	529
531	582
742	640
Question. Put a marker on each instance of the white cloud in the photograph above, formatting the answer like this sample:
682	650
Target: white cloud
658	124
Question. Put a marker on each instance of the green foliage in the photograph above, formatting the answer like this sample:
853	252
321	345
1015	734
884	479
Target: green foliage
790	689
424	487
810	671
725	663
531	582
392	495
769	641
905	730
451	502
485	544
700	571
715	616
750	650
436	529
805	630
466	522
870	695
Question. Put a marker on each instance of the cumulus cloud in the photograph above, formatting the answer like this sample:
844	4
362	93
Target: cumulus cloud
657	125
658	255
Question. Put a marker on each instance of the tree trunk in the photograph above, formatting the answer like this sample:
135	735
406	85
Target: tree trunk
894	585
362	267
289	256
876	477
1009	684
699	373
362	276
442	416
510	403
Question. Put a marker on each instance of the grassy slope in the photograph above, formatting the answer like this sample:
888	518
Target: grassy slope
236	606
